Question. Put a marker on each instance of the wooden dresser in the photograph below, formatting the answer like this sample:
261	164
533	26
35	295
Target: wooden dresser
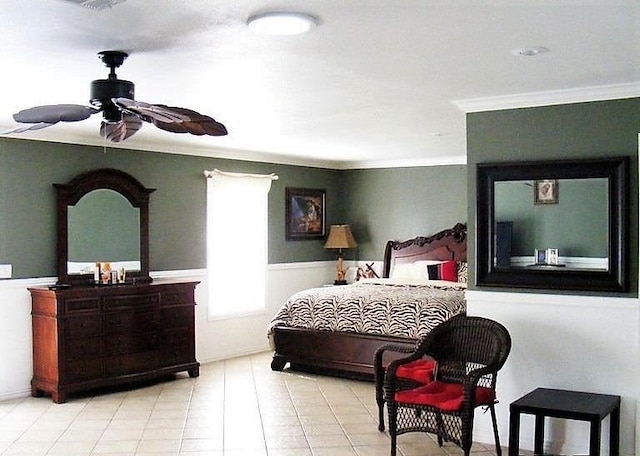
93	337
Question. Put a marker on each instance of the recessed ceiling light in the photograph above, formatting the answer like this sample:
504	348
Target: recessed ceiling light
530	51
281	23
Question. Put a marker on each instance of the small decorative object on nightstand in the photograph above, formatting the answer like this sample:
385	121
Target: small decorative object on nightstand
340	237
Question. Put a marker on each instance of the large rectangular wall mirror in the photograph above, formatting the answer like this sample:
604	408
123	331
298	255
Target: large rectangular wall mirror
553	225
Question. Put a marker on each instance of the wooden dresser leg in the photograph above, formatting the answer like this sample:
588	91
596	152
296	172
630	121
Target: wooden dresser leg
58	397
35	392
194	372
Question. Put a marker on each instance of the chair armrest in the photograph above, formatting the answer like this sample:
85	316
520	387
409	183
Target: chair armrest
390	383
473	377
470	382
377	359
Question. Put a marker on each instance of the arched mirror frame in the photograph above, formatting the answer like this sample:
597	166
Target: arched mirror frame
112	179
615	279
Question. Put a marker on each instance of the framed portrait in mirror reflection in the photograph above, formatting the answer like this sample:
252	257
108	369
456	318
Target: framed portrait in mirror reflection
545	191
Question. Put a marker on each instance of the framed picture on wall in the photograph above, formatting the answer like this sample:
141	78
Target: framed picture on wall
305	214
545	191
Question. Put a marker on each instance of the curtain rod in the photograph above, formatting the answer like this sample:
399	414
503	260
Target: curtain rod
209	174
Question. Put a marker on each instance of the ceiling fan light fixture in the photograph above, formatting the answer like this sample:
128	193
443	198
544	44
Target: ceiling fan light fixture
281	23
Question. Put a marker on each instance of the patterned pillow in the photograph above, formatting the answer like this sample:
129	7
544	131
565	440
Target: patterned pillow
462	270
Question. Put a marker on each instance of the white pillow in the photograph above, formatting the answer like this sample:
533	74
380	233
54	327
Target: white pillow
410	271
425	263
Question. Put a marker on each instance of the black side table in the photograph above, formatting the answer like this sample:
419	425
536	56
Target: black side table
573	405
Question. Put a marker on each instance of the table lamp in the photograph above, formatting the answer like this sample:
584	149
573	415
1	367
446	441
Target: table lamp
340	237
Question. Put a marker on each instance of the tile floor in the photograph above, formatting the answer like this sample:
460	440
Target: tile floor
236	407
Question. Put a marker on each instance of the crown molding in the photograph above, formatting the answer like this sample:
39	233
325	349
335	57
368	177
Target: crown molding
551	97
408	163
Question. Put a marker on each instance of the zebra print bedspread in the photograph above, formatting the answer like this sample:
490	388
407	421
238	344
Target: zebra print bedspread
373	308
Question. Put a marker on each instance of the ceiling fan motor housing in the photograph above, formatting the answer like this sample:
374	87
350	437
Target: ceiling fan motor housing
103	90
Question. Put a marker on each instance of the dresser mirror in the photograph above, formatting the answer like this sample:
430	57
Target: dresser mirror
558	225
103	216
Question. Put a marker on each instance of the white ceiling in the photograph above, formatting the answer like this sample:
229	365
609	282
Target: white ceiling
377	83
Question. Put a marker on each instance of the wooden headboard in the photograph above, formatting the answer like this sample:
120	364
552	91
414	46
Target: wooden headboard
449	244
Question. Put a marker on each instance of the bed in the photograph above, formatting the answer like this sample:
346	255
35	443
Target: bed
336	330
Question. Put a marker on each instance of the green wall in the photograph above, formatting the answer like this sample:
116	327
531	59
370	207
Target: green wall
401	203
177	210
380	204
573	131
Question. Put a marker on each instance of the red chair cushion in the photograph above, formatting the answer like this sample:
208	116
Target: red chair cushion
420	370
444	396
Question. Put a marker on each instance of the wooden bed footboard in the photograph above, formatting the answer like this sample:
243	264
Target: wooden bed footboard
323	352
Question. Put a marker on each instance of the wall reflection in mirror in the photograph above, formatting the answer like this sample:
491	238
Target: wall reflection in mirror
103	226
529	234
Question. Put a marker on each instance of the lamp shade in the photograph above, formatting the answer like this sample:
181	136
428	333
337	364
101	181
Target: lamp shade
340	237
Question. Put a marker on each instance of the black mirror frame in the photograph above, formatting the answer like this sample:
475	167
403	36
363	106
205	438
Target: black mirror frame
70	193
613	280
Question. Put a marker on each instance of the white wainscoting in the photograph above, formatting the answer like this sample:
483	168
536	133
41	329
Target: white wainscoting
583	343
15	333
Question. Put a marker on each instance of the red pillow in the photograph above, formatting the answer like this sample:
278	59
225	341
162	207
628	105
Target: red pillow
449	271
420	371
444	396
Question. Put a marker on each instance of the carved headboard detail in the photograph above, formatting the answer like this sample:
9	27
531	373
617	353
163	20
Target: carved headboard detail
449	244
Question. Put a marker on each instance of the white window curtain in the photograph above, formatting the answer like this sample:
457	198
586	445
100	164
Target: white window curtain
237	224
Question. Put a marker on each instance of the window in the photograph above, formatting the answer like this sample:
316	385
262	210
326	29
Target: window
237	222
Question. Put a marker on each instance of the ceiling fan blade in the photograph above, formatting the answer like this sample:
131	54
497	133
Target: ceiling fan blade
198	124
35	126
52	114
119	131
173	119
149	112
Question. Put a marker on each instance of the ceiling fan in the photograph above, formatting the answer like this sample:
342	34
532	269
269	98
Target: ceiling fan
122	115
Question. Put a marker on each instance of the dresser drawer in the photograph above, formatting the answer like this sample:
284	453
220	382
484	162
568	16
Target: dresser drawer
125	301
177	297
82	326
119	344
177	317
178	347
83	347
75	305
84	369
131	363
127	322
177	338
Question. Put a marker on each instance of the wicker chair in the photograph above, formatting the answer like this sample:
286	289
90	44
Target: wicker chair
469	352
